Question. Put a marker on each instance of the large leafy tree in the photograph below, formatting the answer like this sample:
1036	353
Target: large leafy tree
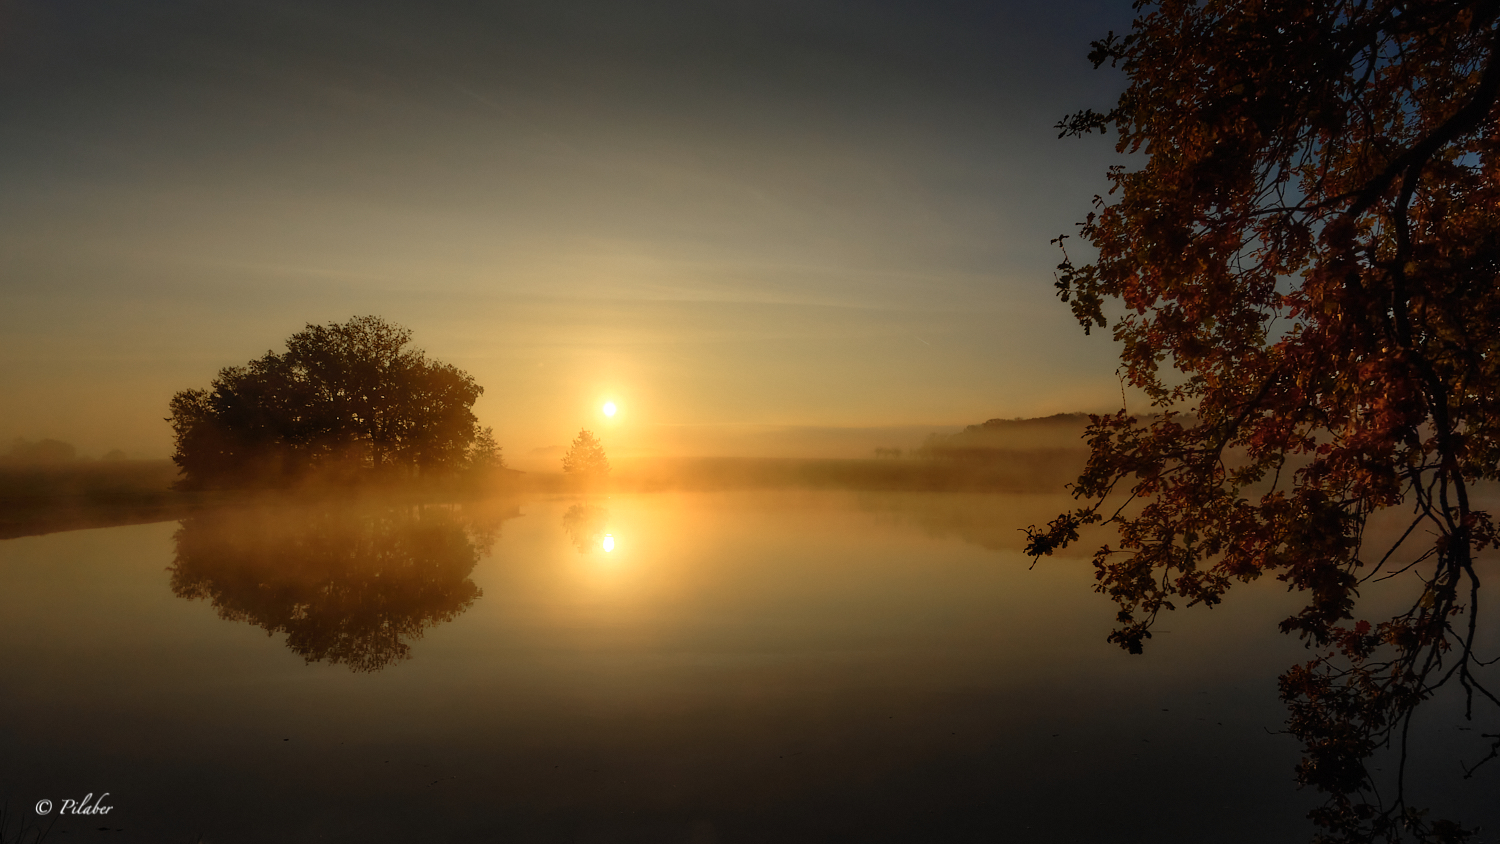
1300	260
341	399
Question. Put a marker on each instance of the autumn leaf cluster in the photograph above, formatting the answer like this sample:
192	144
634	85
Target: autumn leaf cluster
1299	261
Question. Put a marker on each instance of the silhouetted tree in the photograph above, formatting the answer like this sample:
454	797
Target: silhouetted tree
348	586
586	457
1306	262
484	454
340	399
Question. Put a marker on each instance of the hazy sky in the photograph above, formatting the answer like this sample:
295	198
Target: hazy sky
721	215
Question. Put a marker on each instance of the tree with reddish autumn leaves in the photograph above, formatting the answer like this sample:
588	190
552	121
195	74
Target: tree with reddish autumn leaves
1302	265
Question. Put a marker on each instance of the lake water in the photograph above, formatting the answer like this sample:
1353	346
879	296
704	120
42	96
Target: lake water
695	667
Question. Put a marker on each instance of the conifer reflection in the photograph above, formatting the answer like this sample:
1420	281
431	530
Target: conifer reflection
346	585
584	525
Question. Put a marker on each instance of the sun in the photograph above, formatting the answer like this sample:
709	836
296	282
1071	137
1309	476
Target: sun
609	408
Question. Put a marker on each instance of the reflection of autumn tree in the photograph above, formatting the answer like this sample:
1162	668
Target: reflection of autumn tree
345	585
584	524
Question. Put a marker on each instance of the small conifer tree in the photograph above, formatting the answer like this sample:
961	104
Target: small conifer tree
586	457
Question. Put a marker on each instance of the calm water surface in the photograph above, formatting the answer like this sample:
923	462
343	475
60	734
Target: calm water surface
659	668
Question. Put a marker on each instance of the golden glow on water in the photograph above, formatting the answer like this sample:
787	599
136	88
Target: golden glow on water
744	648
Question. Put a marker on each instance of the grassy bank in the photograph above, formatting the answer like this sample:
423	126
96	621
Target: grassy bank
45	498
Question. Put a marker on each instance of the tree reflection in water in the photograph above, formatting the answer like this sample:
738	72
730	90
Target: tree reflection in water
346	584
584	524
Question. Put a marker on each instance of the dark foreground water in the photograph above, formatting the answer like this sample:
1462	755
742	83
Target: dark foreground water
658	668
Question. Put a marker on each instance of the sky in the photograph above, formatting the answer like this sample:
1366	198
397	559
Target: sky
754	226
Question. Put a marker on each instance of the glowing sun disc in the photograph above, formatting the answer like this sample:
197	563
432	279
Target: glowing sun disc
609	408
608	543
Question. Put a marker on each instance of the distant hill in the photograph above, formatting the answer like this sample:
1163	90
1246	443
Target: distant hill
1000	455
1059	431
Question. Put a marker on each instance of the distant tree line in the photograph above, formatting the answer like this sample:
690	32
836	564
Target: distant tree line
44	451
343	401
48	451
